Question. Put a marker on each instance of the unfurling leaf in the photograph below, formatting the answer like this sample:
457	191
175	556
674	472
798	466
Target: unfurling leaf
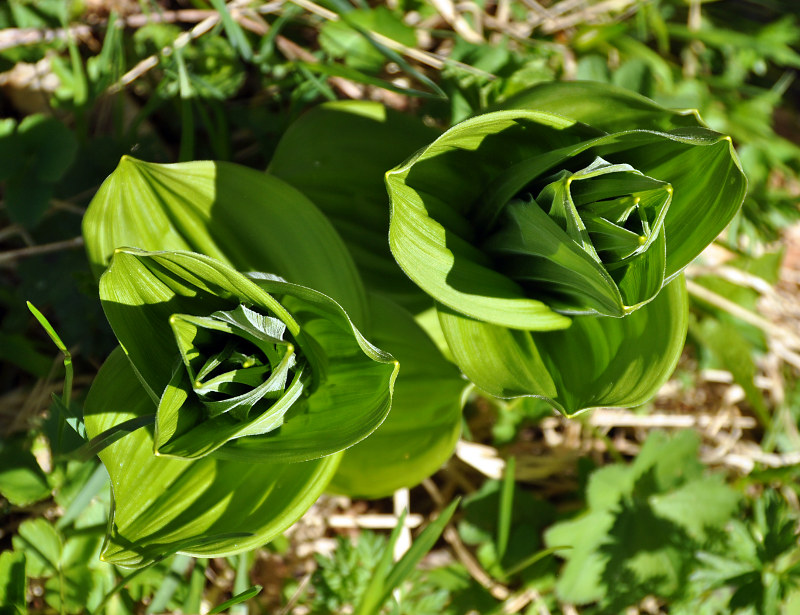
257	386
234	370
162	503
553	234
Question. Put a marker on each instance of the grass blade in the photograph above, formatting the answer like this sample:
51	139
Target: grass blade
250	592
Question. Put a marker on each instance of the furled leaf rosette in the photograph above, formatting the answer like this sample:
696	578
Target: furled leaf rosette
256	386
243	367
255	221
553	233
206	507
591	241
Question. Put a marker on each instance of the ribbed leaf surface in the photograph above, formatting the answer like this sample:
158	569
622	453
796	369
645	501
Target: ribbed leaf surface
237	215
205	508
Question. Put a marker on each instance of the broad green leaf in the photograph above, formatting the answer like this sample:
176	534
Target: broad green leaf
12	583
421	431
161	502
154	302
609	108
449	200
239	216
433	194
580	580
643	526
32	159
598	361
22	481
355	142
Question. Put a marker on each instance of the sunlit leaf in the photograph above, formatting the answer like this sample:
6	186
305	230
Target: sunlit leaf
160	502
239	216
598	361
421	431
570	210
313	385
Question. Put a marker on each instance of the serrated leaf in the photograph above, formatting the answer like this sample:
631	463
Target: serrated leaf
643	526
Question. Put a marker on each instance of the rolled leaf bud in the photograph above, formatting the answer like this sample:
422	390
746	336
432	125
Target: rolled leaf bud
243	367
552	235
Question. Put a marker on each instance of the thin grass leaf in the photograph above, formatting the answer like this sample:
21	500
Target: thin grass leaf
390	54
506	508
89	450
66	396
534	557
378	589
251	592
423	543
169	584
182	546
234	31
339	70
80	502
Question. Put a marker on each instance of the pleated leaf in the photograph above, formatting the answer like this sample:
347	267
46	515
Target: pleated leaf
452	200
336	154
333	388
249	220
421	431
597	361
205	507
607	107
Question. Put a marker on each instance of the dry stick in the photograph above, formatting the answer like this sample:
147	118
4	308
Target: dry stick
14	229
425	57
733	275
18	37
523	598
372	521
428	58
586	15
775	331
10	255
401	500
296	595
612	418
447	9
450	534
152	61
